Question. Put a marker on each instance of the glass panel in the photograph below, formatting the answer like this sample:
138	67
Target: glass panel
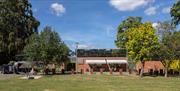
101	52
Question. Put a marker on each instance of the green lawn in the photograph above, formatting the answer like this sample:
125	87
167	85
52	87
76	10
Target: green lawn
91	83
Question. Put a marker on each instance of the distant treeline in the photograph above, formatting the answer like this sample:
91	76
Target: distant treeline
101	52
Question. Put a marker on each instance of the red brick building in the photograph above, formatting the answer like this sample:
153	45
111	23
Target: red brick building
101	59
97	63
151	66
106	59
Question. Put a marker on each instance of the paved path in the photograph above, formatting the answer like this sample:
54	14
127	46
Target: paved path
7	76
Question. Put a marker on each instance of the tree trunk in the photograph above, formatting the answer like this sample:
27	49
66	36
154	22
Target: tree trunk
166	72
142	69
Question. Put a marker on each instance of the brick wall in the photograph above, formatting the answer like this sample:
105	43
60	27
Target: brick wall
82	62
155	65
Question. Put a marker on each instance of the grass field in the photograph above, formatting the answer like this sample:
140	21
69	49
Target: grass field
91	83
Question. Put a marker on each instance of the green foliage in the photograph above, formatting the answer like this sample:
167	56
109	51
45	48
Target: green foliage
139	39
168	42
174	65
176	39
169	45
122	38
175	13
141	42
47	47
166	50
32	49
17	23
11	62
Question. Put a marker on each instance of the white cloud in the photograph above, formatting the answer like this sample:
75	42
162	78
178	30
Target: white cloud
150	11
166	10
58	9
155	24
128	5
84	46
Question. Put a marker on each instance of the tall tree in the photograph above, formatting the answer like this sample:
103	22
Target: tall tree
175	13
46	47
32	49
17	23
176	42
142	40
167	50
130	22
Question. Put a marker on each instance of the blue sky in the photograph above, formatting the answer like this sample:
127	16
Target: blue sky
93	23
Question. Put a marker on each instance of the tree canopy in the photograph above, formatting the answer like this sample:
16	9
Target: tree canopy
17	23
46	47
175	13
169	44
130	22
138	38
142	40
